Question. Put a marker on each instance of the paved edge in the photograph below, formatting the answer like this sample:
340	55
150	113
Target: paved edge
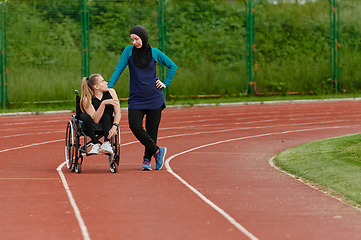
201	105
34	113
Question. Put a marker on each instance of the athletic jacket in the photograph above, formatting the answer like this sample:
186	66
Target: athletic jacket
143	94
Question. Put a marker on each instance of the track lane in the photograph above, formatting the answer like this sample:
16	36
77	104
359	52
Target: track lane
134	204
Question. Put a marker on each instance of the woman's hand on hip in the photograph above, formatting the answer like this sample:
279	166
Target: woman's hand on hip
159	84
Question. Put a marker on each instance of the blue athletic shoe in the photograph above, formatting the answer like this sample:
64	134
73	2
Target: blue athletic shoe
146	165
159	158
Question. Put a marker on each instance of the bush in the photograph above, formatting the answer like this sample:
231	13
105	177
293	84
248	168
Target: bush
206	39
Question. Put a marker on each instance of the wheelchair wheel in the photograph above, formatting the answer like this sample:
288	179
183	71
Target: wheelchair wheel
113	167
78	157
116	147
70	146
77	167
116	159
78	163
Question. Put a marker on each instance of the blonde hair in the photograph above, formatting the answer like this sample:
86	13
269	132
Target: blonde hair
87	91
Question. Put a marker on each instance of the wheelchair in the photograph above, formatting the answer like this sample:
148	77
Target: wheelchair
76	143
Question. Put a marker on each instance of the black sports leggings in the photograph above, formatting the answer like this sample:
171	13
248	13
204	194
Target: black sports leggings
147	137
106	121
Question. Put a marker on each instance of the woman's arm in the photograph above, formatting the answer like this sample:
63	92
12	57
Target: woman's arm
117	114
122	64
97	115
166	61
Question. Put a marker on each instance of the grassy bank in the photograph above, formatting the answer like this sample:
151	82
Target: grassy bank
334	165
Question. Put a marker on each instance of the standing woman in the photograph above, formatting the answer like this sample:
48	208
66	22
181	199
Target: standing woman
145	92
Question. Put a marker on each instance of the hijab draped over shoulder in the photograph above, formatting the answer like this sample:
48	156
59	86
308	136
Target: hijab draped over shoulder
142	57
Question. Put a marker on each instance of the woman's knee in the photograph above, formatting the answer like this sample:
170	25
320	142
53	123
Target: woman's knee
135	127
135	124
106	118
85	117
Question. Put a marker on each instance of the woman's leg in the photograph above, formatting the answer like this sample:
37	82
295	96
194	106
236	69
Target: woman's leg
88	127
135	119
152	121
107	122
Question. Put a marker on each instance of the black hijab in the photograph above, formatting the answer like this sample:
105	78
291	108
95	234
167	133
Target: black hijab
142	57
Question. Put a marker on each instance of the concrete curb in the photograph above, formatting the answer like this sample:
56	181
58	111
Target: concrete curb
34	113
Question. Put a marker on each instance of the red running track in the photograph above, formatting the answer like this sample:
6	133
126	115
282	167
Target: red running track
217	182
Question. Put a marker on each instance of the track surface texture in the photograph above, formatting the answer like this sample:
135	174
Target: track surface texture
217	182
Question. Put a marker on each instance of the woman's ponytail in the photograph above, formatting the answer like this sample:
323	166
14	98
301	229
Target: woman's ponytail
87	91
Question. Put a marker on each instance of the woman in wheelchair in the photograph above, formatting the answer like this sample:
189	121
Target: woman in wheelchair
99	104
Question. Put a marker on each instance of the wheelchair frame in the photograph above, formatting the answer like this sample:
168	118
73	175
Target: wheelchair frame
74	151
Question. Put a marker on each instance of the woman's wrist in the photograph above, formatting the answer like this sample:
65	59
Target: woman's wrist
116	124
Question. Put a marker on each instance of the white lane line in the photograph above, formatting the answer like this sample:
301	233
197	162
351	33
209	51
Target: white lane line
31	145
272	120
66	186
242	128
214	206
25	122
27	134
228	217
194	133
209	202
82	226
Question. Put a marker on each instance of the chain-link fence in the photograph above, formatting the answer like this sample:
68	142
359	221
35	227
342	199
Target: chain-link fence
43	50
220	47
110	24
197	42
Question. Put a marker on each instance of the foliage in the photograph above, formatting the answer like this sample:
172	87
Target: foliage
206	39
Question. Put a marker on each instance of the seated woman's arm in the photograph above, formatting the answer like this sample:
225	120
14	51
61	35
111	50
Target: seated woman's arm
117	114
97	115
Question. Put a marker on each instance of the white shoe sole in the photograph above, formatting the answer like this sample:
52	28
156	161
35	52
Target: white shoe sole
111	152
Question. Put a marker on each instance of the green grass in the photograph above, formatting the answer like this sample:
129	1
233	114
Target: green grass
332	164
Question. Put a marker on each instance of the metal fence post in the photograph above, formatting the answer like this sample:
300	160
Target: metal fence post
3	62
162	39
335	46
331	43
251	45
249	37
339	47
2	85
85	57
5	56
335	43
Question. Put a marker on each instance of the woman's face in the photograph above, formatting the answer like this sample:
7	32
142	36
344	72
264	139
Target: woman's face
136	40
101	85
